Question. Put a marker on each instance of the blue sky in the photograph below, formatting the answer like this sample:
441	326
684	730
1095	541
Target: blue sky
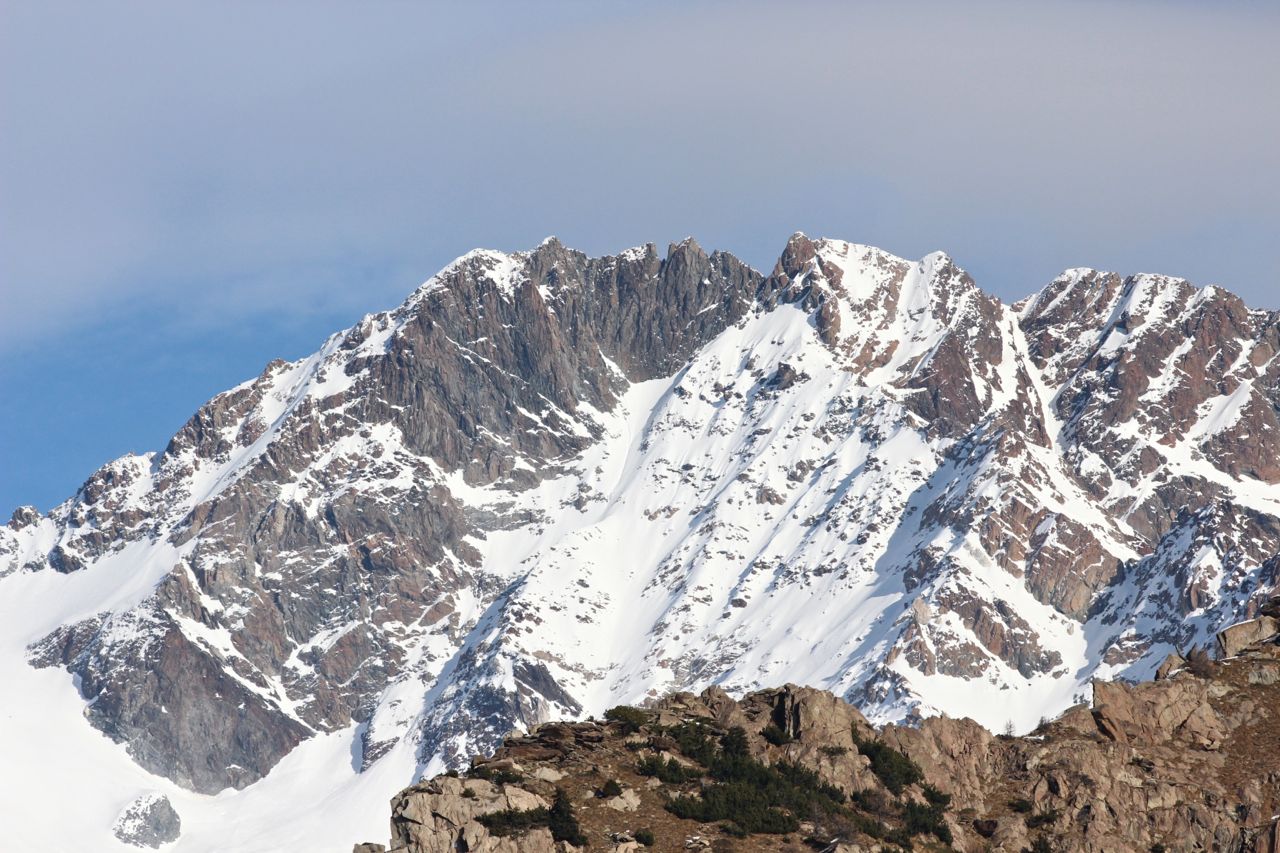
188	190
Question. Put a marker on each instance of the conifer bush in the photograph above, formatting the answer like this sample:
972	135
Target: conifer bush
630	719
694	741
775	735
755	797
894	770
560	819
563	823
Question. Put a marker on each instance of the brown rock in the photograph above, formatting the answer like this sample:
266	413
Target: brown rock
1234	639
1170	664
1182	761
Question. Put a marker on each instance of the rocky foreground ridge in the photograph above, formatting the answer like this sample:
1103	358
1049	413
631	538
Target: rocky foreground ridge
1188	762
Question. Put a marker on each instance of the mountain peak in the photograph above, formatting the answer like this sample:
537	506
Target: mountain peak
550	483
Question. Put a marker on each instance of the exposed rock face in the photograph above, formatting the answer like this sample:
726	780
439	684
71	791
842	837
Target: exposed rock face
439	816
1181	764
292	592
1232	639
548	483
148	821
1185	762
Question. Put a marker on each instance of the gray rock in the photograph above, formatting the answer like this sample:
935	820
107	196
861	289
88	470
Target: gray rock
149	821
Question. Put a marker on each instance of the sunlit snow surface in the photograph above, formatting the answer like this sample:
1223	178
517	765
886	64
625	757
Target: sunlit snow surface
63	783
723	530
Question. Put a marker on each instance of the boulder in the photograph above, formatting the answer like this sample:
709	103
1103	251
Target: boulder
1236	638
148	821
1171	664
439	816
627	801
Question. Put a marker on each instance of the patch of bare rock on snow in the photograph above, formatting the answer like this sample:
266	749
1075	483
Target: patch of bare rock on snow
149	821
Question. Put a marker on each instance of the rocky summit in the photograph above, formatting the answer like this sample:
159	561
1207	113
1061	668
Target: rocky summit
549	484
1185	763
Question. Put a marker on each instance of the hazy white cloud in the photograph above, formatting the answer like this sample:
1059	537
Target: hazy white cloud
233	158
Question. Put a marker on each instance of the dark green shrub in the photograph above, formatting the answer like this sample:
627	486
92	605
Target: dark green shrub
738	804
670	771
871	800
734	743
900	837
610	789
936	798
807	780
694	741
894	770
627	718
1044	818
1021	806
920	819
833	751
775	735
731	828
846	826
499	776
559	819
645	837
514	821
757	797
563	823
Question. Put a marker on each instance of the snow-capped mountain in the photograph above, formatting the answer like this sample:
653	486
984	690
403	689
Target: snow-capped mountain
547	484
